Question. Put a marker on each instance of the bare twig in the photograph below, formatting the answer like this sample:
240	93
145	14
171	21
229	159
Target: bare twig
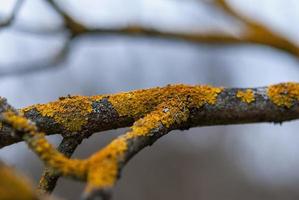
15	11
254	33
55	60
258	33
73	25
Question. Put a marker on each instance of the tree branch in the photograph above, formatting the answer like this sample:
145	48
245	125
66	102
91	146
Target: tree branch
87	115
156	111
104	167
257	32
254	33
49	177
11	18
57	59
73	25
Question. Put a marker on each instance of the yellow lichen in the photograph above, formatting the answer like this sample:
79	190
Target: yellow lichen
246	96
47	152
140	102
284	94
14	186
153	108
18	122
103	166
71	112
165	115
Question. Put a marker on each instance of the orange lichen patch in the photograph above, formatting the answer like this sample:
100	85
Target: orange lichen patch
71	112
103	166
246	96
165	115
56	160
153	107
14	186
18	122
140	102
203	94
47	152
284	94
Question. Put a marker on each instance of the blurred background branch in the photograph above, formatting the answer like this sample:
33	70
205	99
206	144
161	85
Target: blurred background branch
253	33
7	22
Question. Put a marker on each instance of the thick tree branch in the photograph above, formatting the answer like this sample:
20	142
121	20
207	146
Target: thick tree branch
156	111
87	115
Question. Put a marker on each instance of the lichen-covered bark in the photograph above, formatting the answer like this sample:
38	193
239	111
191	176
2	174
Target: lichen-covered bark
50	177
101	170
99	113
105	165
152	112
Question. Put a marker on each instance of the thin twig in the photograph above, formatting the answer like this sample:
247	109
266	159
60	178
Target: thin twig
56	60
254	33
15	11
49	177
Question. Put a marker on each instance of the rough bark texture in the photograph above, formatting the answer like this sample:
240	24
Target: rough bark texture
152	112
228	109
